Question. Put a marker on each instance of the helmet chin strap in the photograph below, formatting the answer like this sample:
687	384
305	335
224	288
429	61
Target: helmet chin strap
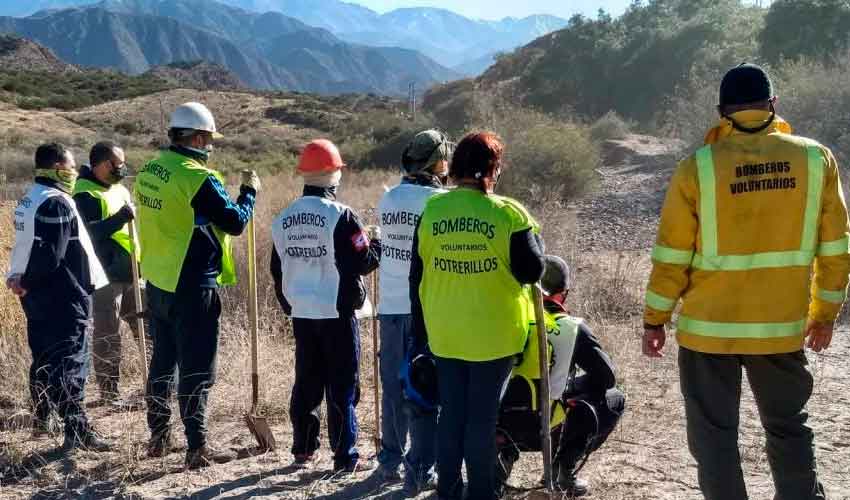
755	130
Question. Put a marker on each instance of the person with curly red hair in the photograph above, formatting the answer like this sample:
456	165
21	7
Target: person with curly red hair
474	253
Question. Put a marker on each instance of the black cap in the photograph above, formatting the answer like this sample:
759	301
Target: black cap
556	275
745	84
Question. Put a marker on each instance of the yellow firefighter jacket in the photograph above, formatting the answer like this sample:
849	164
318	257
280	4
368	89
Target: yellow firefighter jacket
753	239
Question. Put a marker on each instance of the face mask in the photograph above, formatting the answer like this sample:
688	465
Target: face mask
65	179
203	153
118	173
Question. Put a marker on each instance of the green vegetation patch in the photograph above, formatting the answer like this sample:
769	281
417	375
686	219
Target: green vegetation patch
73	90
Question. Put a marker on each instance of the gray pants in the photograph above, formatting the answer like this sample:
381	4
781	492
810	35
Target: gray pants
112	303
782	385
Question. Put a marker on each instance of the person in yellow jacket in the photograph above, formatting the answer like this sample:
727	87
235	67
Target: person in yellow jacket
473	253
186	219
753	240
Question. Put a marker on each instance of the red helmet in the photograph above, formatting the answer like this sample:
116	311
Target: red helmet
319	156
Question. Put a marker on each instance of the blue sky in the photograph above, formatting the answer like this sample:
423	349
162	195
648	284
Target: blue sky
497	9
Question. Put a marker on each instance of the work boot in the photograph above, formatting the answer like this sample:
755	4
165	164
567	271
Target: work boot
569	484
160	445
387	475
206	456
303	460
414	486
86	440
42	428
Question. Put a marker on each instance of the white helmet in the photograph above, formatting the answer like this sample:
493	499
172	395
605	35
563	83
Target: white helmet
194	116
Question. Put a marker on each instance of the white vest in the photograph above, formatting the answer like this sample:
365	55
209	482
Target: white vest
25	236
399	209
563	347
304	239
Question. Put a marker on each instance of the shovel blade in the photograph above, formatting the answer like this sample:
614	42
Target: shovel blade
259	427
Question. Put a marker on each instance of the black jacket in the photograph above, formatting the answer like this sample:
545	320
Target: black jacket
114	259
588	355
57	273
351	263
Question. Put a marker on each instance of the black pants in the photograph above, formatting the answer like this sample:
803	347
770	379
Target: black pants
587	427
184	329
57	333
466	429
781	385
327	357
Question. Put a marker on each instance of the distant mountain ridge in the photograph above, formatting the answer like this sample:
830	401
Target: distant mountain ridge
266	51
20	54
450	39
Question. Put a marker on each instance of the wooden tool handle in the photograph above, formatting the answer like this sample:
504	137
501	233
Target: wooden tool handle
545	402
137	296
253	313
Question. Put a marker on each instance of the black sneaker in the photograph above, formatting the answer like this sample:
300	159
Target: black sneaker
87	440
206	456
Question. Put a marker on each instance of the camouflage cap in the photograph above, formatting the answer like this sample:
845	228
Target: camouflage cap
426	149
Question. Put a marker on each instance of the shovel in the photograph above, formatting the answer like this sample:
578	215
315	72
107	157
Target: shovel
544	403
137	296
258	425
375	373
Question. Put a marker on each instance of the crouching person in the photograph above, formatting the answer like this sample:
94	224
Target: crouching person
54	271
321	251
585	409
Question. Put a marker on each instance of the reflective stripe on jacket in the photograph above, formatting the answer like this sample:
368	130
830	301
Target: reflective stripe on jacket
745	222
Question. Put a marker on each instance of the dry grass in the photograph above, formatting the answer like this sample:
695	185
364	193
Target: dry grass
646	458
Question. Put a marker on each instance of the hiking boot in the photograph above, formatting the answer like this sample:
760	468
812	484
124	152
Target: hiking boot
351	466
42	428
160	445
303	460
206	456
387	474
571	485
87	440
414	486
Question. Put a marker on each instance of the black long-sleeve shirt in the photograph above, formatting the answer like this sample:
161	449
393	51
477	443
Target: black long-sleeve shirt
592	359
527	264
213	207
351	262
114	259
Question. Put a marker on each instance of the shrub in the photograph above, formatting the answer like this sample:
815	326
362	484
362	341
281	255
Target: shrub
546	159
610	126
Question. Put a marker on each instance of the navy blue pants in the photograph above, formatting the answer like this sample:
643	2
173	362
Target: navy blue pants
184	328
327	358
58	336
466	430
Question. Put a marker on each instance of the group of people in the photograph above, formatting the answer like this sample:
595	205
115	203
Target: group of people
754	240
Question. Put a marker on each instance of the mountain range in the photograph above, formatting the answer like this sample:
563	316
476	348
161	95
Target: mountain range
265	51
466	45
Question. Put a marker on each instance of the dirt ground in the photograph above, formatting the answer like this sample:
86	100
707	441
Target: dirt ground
645	458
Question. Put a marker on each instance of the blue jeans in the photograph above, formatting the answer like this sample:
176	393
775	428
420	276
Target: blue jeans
469	399
396	421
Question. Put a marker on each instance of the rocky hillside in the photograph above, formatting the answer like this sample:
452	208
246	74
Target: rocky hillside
21	54
197	75
266	51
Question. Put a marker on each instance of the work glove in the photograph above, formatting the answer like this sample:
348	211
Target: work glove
374	232
126	213
250	180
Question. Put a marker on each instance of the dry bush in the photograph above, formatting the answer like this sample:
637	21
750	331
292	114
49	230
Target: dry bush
610	126
547	160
